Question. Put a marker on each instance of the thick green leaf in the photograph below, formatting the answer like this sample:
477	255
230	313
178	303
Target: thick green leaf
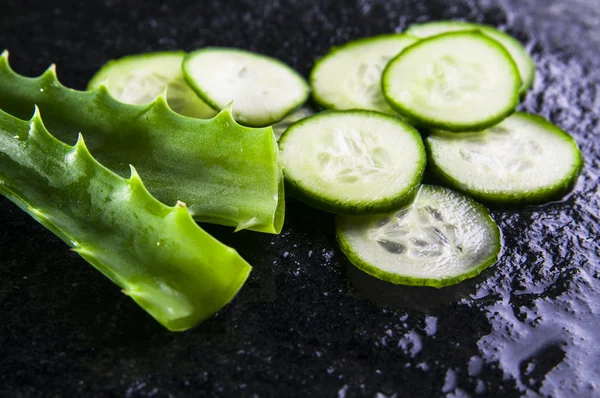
157	254
225	173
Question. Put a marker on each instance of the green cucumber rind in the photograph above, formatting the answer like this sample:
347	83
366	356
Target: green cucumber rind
334	50
526	84
430	123
540	196
206	98
297	190
398	279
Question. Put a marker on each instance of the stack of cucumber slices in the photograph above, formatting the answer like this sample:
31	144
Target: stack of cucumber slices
459	84
442	94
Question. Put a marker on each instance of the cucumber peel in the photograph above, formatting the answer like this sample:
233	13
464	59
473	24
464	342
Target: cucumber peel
157	254
453	81
441	239
525	159
513	46
139	79
226	173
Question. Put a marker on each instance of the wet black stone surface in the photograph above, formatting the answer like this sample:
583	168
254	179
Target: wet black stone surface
307	322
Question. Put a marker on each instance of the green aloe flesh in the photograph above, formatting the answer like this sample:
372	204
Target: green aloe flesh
225	173
157	254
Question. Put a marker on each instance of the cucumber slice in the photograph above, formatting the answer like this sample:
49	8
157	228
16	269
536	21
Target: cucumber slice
453	81
513	46
352	162
349	77
263	89
524	159
299	114
441	239
139	79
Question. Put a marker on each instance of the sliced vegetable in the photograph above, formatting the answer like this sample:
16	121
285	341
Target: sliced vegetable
299	114
157	254
139	79
226	174
349	76
349	162
262	88
524	159
513	46
440	239
454	81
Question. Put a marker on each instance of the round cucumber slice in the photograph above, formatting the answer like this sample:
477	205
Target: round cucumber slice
349	76
139	79
453	81
513	46
352	162
440	239
263	89
524	159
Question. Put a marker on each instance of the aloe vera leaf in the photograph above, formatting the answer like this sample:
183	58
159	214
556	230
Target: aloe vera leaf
157	254
226	173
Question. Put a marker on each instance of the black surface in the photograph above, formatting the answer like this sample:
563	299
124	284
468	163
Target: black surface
307	323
